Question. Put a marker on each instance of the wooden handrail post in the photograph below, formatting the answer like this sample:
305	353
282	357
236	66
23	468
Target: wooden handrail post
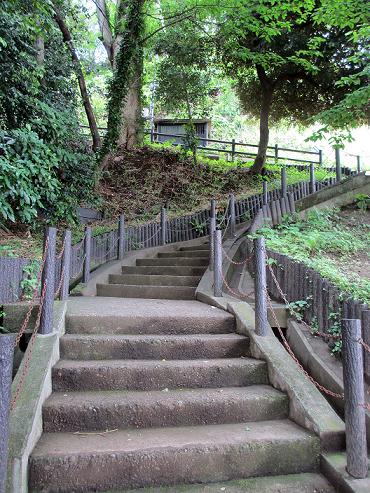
264	193
338	169
66	264
121	237
283	182
261	322
320	158
48	281
312	178
354	399
217	271
358	164
6	371
87	255
233	146
212	229
163	225
365	325
213	208
276	152
232	208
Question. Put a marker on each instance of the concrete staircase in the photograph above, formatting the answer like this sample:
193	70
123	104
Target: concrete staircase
171	275
162	393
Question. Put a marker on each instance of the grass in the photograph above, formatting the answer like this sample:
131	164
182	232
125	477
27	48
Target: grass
333	242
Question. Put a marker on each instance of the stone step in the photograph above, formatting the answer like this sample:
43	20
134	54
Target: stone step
98	315
157	375
93	411
148	280
204	246
147	292
165	270
197	346
66	462
307	482
197	262
185	254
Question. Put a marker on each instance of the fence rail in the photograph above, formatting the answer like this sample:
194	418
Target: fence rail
104	247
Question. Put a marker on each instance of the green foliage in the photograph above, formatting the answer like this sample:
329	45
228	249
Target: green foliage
297	308
362	201
45	166
326	243
30	281
26	184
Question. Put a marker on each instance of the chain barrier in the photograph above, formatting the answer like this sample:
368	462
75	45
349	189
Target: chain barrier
295	313
226	227
34	296
294	357
239	294
58	257
57	292
233	261
29	351
148	239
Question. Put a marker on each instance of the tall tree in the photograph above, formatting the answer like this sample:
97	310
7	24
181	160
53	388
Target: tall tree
285	62
67	38
113	21
124	100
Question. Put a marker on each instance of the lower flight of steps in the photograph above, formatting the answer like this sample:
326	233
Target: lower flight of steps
160	393
170	275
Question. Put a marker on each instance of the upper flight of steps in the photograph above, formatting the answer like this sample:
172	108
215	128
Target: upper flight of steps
164	393
171	275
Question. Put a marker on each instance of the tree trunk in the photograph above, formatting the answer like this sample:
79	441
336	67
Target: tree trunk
81	80
130	134
267	89
260	159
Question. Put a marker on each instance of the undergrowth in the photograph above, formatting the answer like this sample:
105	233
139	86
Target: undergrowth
328	242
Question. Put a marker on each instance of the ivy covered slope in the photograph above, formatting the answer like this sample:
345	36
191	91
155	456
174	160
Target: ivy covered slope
336	243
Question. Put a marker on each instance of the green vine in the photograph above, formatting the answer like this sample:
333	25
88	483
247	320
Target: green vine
129	61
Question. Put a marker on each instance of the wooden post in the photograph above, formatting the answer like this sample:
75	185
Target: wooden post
213	208
338	169
233	150
48	278
87	255
264	193
121	237
276	152
66	264
283	182
232	215
163	226
365	323
354	399
212	229
358	164
312	178
6	371
217	262
320	158
261	322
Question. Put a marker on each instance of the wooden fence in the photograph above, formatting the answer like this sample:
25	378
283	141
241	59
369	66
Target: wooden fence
104	247
323	305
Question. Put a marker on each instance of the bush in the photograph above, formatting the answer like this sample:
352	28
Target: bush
28	180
